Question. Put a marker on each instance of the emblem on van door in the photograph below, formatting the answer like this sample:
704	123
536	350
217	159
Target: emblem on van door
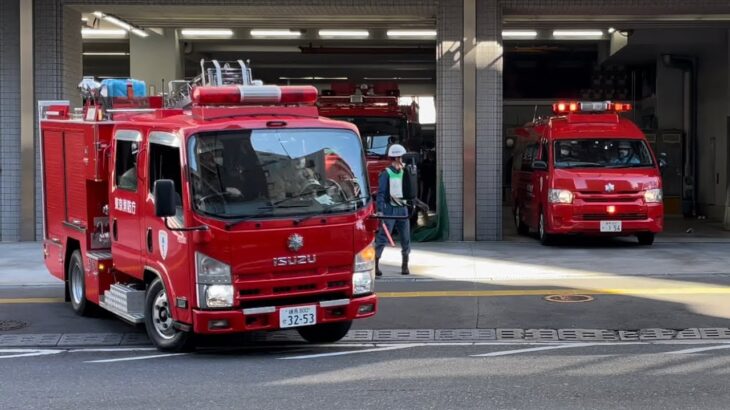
609	187
295	242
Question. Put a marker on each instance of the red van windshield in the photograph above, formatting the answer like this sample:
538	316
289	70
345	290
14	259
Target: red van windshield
602	153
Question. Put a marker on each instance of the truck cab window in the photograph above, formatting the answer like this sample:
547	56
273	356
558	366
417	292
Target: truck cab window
165	164
126	165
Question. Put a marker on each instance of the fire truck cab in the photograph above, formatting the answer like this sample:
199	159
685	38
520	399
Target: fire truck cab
586	170
246	211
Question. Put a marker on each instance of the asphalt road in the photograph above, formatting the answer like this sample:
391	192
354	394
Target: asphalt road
564	376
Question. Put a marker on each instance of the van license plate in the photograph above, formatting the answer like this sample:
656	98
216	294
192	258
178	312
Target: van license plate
610	226
298	316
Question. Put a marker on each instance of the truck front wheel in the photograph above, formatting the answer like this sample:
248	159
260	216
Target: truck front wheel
77	285
158	320
325	333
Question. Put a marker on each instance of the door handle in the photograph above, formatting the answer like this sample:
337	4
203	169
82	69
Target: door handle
114	229
149	239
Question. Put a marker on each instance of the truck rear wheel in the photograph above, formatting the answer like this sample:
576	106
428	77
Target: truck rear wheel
545	238
522	228
77	285
326	332
158	320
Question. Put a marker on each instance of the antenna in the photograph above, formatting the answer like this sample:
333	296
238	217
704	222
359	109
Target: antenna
534	114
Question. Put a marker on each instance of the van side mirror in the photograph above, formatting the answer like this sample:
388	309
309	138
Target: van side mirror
539	165
164	194
663	160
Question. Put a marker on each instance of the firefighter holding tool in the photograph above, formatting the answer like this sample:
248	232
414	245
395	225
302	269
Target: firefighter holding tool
391	202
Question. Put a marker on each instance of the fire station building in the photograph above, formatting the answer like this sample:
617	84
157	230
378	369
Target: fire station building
477	68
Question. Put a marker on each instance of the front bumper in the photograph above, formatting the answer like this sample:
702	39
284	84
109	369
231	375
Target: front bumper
586	218
267	318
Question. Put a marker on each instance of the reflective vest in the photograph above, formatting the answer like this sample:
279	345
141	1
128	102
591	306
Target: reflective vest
395	179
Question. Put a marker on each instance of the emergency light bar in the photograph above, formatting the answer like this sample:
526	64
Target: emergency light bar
254	95
605	106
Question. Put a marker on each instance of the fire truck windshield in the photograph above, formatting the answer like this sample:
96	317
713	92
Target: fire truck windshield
378	132
602	153
276	173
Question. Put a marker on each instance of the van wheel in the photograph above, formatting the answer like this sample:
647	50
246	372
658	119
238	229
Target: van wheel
522	228
325	333
545	238
158	320
646	238
77	285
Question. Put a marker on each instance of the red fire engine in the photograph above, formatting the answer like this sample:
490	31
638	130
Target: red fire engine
379	117
246	211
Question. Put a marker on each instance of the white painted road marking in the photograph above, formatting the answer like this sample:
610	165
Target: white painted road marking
28	352
127	359
113	349
699	349
534	349
377	349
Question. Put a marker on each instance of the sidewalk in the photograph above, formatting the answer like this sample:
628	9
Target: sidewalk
21	264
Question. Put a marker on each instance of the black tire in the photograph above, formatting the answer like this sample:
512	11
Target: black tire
522	228
646	238
77	285
545	238
326	332
158	320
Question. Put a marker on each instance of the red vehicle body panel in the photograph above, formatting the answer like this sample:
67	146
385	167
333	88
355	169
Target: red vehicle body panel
79	171
591	203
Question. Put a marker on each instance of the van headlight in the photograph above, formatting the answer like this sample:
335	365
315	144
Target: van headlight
213	281
653	196
363	277
560	196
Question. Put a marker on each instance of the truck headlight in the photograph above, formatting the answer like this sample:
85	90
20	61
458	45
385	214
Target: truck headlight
363	277
219	296
213	282
653	196
560	196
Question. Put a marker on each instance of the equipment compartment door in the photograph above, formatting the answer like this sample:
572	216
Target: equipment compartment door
124	210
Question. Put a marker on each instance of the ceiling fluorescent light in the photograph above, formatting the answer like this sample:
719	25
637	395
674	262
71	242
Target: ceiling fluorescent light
411	33
344	33
105	53
117	22
275	33
578	33
207	32
519	34
99	33
140	32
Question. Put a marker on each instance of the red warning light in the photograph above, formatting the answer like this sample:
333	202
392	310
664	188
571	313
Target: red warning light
611	209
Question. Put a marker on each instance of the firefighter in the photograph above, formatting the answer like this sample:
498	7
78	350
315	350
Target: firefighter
390	202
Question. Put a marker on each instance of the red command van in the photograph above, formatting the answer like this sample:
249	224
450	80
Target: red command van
586	170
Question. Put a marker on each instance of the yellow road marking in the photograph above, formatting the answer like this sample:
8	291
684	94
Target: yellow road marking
546	292
695	290
30	300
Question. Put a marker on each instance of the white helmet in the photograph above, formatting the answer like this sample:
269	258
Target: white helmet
396	151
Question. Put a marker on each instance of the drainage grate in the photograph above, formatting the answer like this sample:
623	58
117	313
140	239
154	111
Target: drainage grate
30	340
568	298
657	334
361	335
586	335
90	339
689	334
715	333
135	339
510	334
283	336
7	325
628	335
542	335
465	334
404	335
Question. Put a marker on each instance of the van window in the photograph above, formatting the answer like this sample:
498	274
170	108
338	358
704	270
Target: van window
165	164
125	161
602	153
528	156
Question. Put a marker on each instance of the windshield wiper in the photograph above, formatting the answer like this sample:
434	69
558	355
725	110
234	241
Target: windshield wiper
583	165
327	208
630	166
264	211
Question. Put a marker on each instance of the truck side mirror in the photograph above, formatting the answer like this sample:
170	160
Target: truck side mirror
539	165
164	194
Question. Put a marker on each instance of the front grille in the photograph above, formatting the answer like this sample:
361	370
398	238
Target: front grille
609	199
615	217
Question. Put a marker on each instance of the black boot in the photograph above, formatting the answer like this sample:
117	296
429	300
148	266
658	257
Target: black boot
378	272
404	267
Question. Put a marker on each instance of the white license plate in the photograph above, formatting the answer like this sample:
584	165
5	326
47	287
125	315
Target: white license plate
298	316
610	226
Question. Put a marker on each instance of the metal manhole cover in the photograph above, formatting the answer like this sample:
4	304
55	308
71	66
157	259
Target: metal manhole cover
568	298
6	325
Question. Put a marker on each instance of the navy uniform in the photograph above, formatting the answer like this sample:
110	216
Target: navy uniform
390	202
